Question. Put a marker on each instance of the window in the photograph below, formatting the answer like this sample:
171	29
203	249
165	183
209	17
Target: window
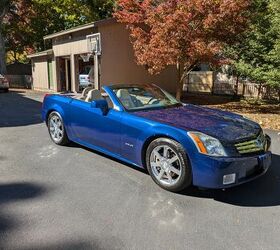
144	97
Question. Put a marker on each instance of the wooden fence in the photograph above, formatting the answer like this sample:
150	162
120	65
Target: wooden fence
20	81
221	84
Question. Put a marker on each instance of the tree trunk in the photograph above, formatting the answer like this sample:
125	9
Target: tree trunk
179	88
236	86
259	91
181	78
3	69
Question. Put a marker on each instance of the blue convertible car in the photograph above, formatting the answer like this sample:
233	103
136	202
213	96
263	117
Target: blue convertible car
179	144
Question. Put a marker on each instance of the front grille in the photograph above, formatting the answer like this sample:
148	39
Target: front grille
252	146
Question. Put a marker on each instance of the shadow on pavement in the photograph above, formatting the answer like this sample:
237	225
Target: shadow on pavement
75	145
15	192
18	110
262	192
75	245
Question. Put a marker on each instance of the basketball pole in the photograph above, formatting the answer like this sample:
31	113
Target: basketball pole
94	47
96	73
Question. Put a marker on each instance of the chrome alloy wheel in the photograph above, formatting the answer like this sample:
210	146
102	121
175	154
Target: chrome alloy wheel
56	128
165	165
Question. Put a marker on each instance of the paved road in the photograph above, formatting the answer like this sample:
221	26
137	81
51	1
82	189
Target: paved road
55	197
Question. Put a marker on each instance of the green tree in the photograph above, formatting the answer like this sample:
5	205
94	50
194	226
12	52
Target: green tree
24	23
257	55
100	9
53	16
16	28
6	6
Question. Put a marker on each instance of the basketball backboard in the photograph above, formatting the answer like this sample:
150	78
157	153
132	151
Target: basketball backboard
94	43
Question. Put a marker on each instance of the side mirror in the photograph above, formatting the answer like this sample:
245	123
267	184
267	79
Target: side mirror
102	105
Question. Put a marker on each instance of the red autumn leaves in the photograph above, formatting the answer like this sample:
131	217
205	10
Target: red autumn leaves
167	32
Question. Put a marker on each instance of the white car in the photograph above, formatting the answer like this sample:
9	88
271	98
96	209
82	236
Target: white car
86	76
4	83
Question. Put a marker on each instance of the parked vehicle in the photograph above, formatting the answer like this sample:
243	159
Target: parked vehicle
4	83
86	77
179	144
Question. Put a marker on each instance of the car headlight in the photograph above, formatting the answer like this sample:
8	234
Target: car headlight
207	144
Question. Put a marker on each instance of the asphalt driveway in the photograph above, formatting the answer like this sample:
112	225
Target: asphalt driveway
54	197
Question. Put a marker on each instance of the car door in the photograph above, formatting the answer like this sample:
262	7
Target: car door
90	126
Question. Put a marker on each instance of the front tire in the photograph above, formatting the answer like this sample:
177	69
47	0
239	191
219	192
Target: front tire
168	165
57	129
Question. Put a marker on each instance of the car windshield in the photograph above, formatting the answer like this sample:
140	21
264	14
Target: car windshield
144	97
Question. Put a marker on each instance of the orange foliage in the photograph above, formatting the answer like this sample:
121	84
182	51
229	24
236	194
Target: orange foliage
188	32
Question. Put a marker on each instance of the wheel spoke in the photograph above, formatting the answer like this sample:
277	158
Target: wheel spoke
173	159
157	154
155	164
169	177
52	122
174	170
59	130
55	134
161	173
165	150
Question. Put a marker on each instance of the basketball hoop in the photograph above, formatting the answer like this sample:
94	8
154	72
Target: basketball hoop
86	57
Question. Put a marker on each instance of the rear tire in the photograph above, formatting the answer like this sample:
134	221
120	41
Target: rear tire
168	164
57	129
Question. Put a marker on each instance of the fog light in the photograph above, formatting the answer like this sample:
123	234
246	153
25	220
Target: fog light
229	179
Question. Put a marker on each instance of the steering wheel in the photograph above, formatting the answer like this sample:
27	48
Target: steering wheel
152	99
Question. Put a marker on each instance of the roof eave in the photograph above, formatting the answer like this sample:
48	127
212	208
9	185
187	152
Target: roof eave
79	28
42	53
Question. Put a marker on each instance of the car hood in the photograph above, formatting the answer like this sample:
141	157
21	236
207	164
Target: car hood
225	126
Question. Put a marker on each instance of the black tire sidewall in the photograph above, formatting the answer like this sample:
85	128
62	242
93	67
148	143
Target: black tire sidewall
186	176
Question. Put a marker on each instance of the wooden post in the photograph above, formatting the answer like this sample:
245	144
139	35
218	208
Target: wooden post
96	72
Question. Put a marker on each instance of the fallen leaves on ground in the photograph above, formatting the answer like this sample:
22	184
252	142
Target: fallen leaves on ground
266	113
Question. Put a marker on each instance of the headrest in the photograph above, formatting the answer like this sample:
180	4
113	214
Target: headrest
93	94
123	93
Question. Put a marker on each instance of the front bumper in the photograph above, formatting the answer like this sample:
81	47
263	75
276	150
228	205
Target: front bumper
209	172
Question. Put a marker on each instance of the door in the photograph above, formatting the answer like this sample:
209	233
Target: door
68	75
50	74
90	126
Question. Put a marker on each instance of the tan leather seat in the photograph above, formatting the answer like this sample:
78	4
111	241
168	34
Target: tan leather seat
85	92
93	95
125	98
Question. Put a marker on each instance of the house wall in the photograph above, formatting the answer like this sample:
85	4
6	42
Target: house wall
200	81
40	73
118	63
73	44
